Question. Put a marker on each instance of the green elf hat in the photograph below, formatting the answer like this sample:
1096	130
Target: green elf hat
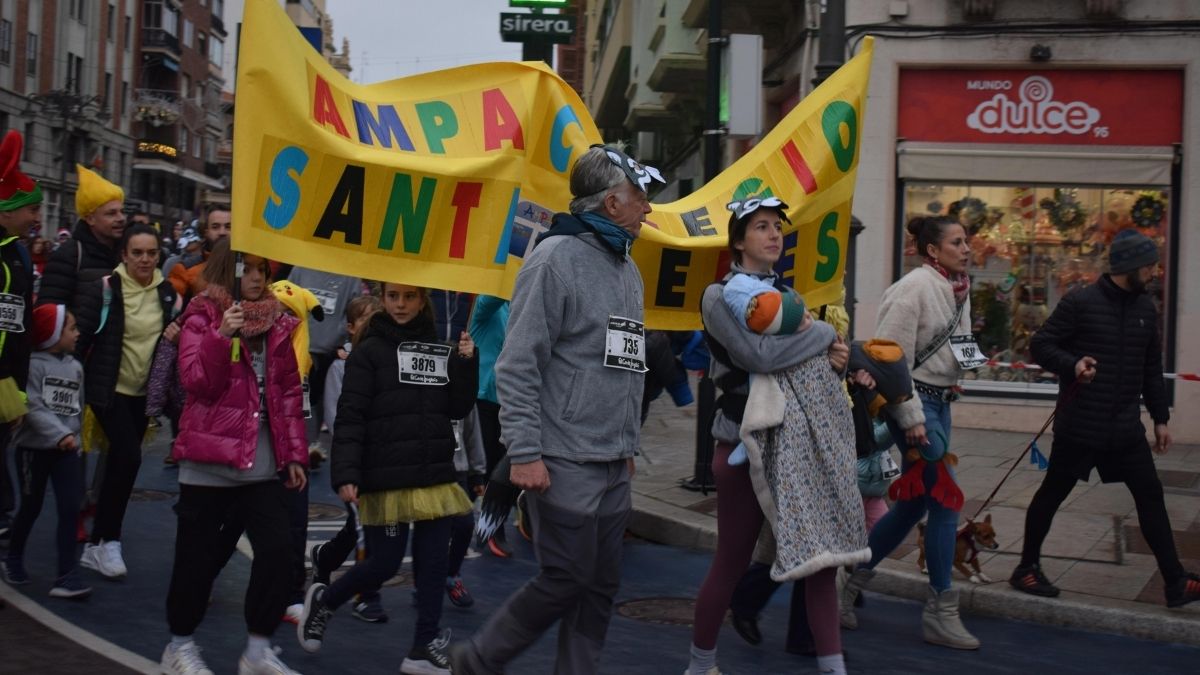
16	189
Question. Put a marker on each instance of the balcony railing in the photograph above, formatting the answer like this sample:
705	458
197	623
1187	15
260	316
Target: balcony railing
159	39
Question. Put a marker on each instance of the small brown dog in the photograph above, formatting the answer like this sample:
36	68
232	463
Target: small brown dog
967	544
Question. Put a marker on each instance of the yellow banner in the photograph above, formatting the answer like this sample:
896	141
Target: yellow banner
445	179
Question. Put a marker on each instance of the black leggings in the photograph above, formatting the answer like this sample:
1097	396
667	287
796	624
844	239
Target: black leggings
1147	494
124	422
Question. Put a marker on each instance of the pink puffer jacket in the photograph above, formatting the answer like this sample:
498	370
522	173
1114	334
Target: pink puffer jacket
221	417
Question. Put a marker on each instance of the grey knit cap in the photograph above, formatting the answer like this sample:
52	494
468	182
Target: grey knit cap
1129	251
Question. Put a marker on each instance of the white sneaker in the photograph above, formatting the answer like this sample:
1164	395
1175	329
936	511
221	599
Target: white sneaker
112	565
268	665
184	660
293	612
91	557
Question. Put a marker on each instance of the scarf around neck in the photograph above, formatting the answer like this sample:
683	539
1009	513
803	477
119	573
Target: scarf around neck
260	314
617	238
960	283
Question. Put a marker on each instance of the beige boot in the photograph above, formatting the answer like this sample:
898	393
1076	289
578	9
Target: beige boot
854	585
942	624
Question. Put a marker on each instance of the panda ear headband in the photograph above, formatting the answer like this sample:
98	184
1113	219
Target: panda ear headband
639	174
743	208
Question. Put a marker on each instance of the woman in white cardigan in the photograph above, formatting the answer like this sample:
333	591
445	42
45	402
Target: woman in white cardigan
928	312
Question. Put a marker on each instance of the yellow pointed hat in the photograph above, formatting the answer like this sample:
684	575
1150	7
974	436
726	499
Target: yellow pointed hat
94	191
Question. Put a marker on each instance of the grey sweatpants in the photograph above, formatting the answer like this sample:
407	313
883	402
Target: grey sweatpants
578	527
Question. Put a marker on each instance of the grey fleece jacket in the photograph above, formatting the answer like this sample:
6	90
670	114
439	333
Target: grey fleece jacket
753	352
557	398
47	423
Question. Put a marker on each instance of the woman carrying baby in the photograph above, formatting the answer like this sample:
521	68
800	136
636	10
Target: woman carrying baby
800	448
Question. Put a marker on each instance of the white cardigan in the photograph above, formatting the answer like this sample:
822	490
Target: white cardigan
914	311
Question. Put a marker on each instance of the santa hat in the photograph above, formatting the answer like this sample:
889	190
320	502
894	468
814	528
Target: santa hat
48	322
16	189
94	191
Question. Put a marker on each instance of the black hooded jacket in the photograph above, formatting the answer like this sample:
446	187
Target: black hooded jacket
391	434
1120	330
74	266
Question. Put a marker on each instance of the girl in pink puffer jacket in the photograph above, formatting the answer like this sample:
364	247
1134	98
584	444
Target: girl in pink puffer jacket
242	428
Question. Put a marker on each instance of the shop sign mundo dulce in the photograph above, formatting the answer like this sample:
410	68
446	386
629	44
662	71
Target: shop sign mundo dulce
1073	107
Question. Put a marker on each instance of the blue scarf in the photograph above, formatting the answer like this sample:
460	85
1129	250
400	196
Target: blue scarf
616	237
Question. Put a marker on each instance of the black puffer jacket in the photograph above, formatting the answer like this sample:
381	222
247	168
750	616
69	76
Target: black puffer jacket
14	356
101	352
1120	330
74	265
392	435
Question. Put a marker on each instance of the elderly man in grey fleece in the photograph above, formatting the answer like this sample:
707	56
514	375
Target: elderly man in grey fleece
570	381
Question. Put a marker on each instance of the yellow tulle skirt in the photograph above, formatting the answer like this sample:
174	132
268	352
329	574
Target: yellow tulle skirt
408	505
12	401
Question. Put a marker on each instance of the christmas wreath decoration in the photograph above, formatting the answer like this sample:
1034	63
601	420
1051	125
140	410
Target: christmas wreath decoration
1147	211
1064	209
972	213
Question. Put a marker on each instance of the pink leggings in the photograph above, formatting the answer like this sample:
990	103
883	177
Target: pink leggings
739	520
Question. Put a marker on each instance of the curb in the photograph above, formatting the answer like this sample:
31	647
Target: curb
665	523
86	639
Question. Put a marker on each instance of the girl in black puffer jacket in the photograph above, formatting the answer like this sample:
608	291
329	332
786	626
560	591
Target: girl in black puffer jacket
393	455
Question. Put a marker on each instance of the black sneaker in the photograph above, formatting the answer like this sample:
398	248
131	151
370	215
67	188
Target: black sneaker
747	628
429	659
1030	579
1183	591
316	615
14	572
70	587
370	609
319	576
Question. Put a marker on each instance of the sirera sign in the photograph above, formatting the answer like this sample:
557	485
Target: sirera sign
553	28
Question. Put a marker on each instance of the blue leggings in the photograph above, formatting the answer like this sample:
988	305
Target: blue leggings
904	515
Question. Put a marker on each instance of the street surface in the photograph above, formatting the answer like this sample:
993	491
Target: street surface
130	614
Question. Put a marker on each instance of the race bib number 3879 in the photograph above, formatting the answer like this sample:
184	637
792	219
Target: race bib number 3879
424	363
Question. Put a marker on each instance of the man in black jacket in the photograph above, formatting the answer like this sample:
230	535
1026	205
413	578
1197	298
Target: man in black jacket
1103	343
91	252
20	211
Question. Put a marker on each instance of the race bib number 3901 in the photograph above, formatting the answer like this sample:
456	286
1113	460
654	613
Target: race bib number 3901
625	346
61	396
424	363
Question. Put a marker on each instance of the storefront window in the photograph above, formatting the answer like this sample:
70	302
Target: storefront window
1030	246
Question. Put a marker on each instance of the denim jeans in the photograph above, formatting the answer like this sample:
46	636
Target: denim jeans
942	525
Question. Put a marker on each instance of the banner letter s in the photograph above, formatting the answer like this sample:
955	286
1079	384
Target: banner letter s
284	199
